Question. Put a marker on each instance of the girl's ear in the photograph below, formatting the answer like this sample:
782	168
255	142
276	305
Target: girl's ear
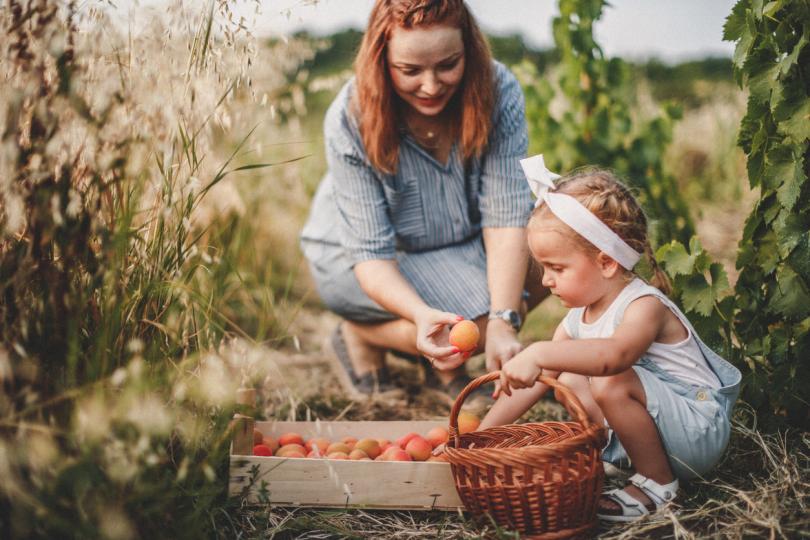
607	265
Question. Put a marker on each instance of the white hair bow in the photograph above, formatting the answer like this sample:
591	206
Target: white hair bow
571	212
540	179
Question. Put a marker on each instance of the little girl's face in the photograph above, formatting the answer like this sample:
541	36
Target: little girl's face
571	272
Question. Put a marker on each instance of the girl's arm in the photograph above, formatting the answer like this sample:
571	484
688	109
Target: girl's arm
509	408
641	324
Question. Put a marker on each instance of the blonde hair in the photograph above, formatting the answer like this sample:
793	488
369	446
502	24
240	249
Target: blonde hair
604	195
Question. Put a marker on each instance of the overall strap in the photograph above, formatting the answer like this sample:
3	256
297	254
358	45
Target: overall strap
729	375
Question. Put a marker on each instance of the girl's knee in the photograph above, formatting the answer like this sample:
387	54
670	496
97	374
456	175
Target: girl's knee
578	384
609	389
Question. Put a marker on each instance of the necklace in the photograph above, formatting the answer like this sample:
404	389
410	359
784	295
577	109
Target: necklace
428	138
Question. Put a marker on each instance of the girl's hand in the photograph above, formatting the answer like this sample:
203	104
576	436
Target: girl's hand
501	346
521	372
432	338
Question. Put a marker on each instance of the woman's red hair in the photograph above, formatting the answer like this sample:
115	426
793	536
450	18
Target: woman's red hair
375	102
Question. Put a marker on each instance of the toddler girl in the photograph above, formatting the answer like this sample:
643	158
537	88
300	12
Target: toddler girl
624	347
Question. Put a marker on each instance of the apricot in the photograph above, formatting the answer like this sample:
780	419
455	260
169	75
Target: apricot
314	453
467	422
386	446
257	437
290	438
403	441
398	454
370	446
262	450
320	443
465	335
418	448
440	457
383	442
349	441
357	454
291	453
387	453
338	447
338	455
287	448
437	436
270	442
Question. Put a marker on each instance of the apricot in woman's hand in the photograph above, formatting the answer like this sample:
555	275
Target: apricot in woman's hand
465	335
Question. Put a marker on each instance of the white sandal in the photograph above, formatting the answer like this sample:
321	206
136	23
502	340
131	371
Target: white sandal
630	508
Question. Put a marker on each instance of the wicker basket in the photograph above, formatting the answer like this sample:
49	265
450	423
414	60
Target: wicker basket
541	479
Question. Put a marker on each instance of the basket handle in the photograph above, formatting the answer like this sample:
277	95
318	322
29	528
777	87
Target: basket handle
569	400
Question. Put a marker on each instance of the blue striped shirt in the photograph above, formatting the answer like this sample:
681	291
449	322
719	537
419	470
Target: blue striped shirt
427	214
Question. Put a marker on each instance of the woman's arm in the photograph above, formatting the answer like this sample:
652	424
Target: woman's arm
600	357
507	263
383	282
509	408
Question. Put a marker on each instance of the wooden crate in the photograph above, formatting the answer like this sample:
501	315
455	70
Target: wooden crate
332	483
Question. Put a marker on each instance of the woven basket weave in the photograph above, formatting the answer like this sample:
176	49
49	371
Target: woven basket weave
541	479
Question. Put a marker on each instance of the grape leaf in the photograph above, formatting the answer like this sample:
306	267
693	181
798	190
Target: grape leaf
790	229
767	252
675	258
797	125
735	22
697	295
791	296
790	60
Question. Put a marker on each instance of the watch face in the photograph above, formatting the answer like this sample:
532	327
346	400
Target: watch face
509	315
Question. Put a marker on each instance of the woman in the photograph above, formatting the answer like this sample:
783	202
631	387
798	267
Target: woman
419	221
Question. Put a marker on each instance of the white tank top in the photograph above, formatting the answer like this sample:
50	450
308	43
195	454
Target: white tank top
682	360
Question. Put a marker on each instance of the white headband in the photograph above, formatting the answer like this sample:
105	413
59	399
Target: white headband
571	212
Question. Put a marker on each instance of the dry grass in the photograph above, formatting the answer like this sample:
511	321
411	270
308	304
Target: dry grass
760	490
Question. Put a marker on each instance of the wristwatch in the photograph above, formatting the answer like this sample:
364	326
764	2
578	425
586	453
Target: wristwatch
509	315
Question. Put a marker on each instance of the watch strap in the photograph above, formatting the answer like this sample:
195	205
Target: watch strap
509	315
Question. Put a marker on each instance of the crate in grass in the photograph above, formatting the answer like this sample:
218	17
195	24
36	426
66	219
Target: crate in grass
329	483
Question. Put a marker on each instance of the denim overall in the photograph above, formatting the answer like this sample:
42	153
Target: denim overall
693	421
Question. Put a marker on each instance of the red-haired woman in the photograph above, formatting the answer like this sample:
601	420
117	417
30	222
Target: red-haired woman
420	220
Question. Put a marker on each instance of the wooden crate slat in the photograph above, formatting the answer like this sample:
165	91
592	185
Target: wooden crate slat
348	484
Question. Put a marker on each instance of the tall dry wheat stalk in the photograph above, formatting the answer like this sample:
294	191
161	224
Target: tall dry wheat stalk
117	359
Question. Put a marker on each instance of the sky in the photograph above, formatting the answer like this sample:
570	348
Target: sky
671	30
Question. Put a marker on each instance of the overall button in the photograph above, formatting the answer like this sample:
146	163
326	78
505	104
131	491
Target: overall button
701	396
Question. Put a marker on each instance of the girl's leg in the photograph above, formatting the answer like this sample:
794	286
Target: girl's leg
623	401
581	387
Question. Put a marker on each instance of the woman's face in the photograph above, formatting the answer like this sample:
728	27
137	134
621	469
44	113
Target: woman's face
426	66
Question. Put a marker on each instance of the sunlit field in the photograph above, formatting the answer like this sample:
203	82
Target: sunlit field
156	169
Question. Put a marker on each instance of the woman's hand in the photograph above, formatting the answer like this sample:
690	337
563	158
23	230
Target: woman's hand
501	346
432	339
521	372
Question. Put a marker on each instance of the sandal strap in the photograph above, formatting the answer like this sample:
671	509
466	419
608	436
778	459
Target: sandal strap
658	494
627	503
